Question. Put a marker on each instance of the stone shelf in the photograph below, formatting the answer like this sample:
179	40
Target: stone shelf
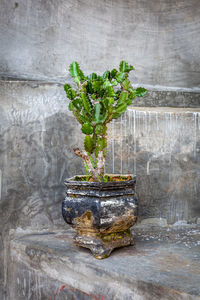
163	264
163	110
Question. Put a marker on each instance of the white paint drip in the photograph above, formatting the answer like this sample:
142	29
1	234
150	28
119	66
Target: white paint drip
172	128
157	126
0	183
121	164
195	132
148	163
134	135
113	146
129	145
199	121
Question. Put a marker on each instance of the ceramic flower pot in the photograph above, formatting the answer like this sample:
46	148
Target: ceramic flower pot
101	213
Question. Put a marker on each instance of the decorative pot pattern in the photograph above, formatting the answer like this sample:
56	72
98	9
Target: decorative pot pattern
101	213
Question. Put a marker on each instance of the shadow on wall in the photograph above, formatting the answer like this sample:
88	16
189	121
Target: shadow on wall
36	157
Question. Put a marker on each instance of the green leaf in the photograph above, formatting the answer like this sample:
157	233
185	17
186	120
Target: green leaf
124	67
110	110
71	94
126	84
121	108
140	92
101	144
109	91
89	88
83	118
99	129
93	96
78	116
97	111
88	143
97	85
93	76
67	87
106	83
77	103
86	103
118	92
113	73
116	115
114	82
87	128
120	77
77	79
104	129
104	116
109	101
123	97
132	93
129	101
70	106
75	70
106	74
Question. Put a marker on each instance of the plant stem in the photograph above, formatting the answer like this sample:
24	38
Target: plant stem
88	161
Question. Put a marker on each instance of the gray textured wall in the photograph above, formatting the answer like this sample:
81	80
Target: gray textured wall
162	147
39	39
38	133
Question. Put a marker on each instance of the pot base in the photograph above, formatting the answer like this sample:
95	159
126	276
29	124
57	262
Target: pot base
101	246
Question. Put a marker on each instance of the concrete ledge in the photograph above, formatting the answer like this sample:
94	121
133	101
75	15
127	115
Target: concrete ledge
163	264
27	90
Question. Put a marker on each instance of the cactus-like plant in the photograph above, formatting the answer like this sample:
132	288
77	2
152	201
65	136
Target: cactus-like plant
95	101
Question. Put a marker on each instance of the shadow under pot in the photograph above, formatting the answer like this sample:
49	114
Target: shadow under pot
101	212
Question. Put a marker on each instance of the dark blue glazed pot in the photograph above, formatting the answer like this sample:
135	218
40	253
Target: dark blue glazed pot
101	212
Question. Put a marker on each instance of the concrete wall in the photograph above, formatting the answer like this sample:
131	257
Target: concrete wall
162	147
37	135
39	39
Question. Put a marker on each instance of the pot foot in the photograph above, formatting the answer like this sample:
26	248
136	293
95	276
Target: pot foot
101	246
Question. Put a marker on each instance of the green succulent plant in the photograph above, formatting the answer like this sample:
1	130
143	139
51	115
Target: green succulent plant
95	102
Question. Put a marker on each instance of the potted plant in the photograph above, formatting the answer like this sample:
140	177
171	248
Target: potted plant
101	207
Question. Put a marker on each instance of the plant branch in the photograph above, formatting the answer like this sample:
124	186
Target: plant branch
88	161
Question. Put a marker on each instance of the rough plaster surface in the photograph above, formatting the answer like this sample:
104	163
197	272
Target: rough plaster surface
162	147
162	265
156	98
37	135
39	39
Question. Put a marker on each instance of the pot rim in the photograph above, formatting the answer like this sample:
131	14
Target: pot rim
71	182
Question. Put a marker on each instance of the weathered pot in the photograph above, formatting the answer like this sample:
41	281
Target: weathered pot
102	213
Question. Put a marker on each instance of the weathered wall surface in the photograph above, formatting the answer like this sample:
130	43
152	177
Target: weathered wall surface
37	136
162	147
39	39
